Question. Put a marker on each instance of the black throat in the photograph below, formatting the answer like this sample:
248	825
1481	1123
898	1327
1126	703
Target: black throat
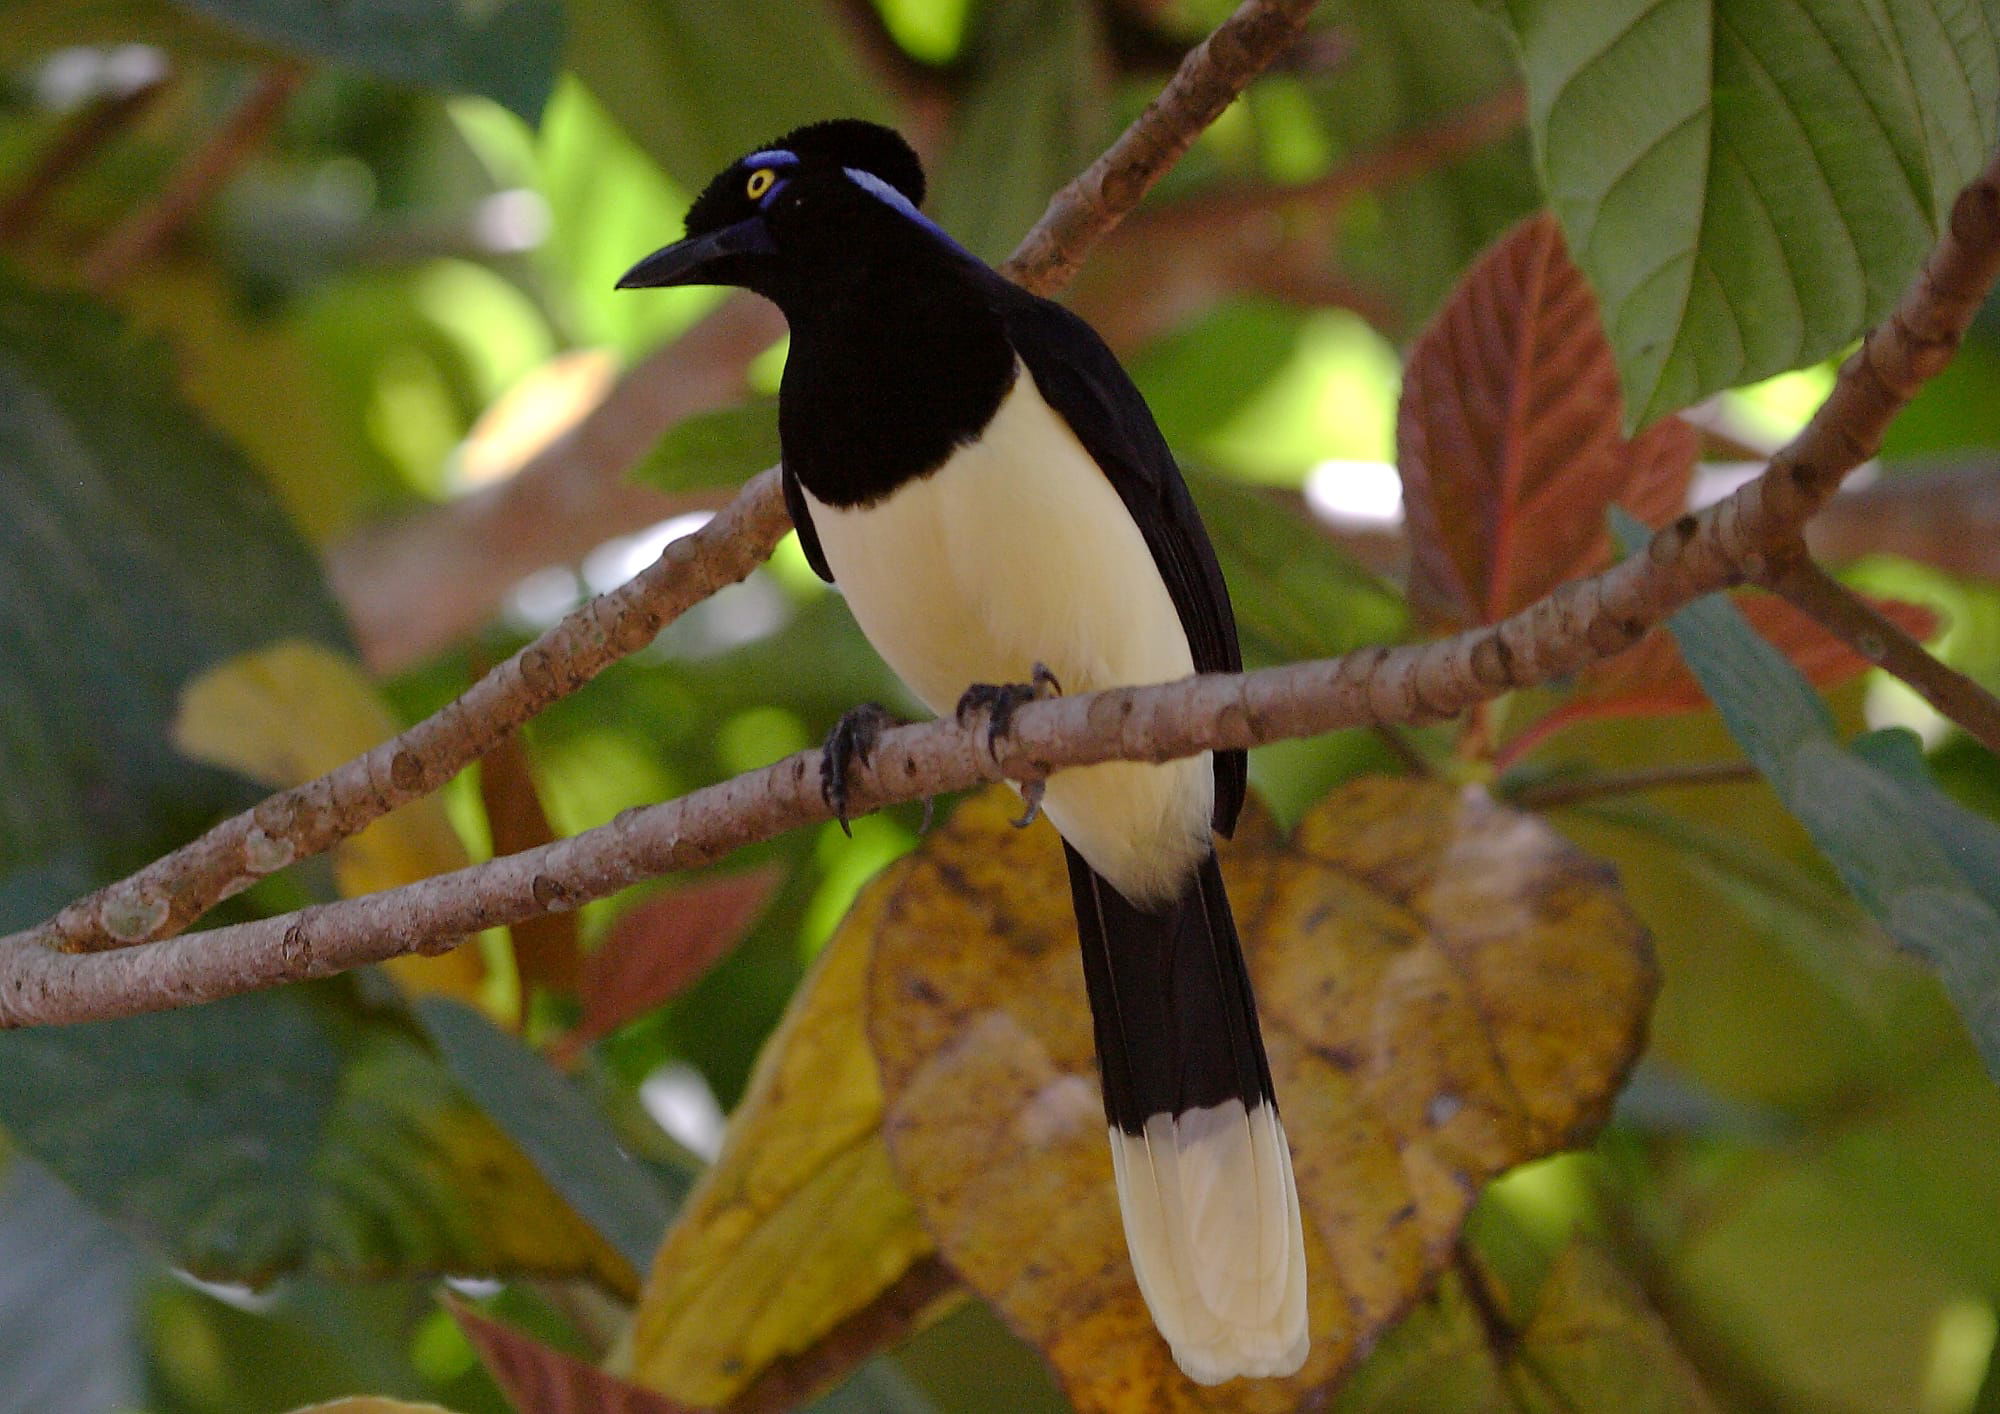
897	359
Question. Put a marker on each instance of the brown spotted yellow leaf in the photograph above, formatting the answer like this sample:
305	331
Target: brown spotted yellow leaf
291	712
801	1222
1447	987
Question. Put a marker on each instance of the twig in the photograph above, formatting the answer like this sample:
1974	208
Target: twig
1745	537
199	177
1875	636
413	586
1209	78
901	1310
167	895
1553	795
1944	516
78	142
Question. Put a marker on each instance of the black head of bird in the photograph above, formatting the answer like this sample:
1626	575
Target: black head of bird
791	219
971	465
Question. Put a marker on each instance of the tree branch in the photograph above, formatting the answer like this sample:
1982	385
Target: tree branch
198	178
164	897
1750	535
413	586
1876	637
1553	795
79	141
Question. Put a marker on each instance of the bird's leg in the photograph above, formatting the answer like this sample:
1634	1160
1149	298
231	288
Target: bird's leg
998	701
851	740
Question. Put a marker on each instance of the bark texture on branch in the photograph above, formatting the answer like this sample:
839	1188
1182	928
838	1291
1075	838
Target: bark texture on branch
1751	535
163	898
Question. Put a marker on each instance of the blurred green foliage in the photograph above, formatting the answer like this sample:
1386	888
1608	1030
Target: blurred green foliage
1792	1209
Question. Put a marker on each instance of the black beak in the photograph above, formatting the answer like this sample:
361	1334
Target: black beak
700	260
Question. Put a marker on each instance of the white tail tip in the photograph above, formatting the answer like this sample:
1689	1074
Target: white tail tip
1212	1222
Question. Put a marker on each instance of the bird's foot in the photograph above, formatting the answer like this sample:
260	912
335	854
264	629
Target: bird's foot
998	701
852	739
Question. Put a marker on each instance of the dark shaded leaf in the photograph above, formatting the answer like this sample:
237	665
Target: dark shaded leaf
68	1324
566	1138
724	448
279	1130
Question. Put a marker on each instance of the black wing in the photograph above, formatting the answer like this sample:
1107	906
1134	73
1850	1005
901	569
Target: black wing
802	521
1082	380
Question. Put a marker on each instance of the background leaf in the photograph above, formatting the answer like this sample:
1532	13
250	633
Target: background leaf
1750	183
1417	1049
281	1130
1508	437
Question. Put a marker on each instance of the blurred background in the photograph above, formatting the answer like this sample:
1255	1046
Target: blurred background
307	332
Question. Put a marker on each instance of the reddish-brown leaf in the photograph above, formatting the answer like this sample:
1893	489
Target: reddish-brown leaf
659	948
545	949
1509	438
539	1379
1651	680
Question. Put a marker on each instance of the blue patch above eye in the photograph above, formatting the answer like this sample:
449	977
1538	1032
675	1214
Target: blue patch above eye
776	157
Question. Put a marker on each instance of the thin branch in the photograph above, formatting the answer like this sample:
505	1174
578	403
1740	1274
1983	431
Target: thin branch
1211	76
1749	536
1875	636
164	897
909	1303
205	171
1948	517
80	140
1553	795
414	586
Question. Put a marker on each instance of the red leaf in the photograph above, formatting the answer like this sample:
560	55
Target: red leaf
539	1379
1508	436
660	947
545	948
1650	679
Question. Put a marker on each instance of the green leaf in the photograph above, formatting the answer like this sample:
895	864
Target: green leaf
1750	183
562	1133
280	1130
722	448
697	93
1035	117
1925	866
66	1300
1296	594
508	50
136	549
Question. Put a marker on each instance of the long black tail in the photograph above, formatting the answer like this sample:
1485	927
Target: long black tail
1204	1175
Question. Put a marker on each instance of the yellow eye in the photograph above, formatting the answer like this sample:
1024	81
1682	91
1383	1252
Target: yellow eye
760	182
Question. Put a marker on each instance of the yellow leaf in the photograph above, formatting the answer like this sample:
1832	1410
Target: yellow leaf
291	712
371	1404
1447	989
800	1223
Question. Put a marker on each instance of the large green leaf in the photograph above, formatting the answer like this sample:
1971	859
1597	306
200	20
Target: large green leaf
136	548
697	86
1750	183
1925	866
67	1318
299	1128
508	50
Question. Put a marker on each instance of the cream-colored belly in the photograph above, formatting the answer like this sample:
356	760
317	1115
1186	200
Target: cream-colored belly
1018	551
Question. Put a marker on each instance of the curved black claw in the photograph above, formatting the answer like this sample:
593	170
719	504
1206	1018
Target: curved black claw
851	740
999	699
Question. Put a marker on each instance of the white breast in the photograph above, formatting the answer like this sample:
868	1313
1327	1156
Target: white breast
1017	551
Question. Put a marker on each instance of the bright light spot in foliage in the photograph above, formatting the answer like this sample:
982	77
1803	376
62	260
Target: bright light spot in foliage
542	598
84	73
510	222
680	1102
1961	1346
616	561
1356	493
